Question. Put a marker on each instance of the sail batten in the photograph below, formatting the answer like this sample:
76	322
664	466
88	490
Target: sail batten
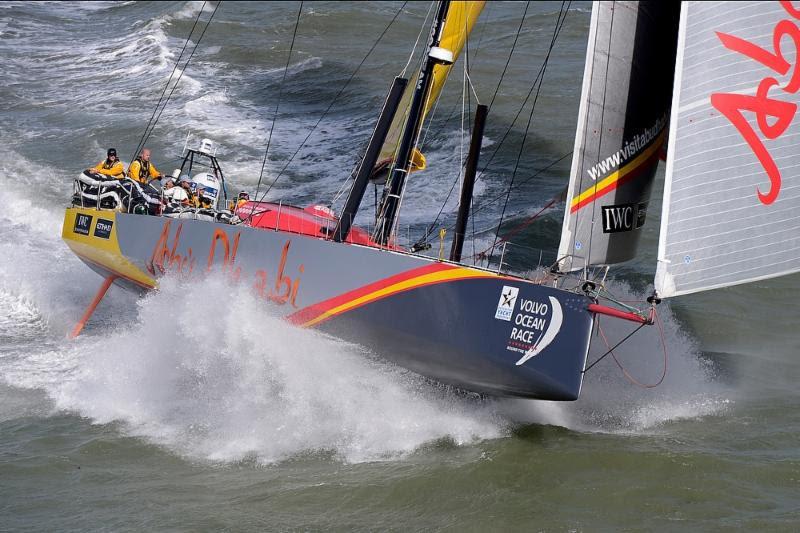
730	205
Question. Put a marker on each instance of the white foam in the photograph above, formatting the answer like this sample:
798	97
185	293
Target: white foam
19	317
27	195
191	10
229	381
611	403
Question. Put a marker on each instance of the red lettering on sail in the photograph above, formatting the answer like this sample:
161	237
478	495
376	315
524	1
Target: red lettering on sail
732	105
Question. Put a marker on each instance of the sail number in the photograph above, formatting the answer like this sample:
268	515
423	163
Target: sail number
733	105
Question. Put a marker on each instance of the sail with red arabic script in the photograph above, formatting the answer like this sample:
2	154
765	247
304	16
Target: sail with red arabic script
732	190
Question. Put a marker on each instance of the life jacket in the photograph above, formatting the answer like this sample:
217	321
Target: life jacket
144	169
107	164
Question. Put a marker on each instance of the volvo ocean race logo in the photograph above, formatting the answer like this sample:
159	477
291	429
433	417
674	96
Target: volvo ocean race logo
536	326
508	300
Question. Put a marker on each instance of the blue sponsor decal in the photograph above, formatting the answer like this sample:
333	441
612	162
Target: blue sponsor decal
103	228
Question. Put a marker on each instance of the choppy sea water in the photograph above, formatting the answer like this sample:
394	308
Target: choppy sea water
194	408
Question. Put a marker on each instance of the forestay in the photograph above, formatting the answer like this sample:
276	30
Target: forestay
622	124
732	195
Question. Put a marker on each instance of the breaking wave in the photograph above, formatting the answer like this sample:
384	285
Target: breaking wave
610	402
229	381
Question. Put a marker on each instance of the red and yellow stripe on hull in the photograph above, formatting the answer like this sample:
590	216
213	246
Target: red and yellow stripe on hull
405	281
622	176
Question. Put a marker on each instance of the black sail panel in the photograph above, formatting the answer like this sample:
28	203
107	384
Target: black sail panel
622	127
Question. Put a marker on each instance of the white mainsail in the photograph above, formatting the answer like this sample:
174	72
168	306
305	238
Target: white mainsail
731	211
627	87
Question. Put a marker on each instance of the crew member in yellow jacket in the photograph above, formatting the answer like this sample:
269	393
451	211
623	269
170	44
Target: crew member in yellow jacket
111	166
142	170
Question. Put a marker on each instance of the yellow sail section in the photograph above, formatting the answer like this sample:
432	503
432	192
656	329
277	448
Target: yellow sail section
461	17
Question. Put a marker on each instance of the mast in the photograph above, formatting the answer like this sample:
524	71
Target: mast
469	182
370	157
387	216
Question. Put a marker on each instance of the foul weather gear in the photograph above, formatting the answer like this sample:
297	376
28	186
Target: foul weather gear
109	168
142	171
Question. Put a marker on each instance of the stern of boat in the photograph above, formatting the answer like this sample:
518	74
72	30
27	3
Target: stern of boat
91	234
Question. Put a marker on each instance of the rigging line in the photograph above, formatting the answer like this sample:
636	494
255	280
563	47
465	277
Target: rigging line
483	30
169	79
278	103
627	374
343	187
523	182
490	201
454	108
513	46
464	95
418	146
557	30
511	126
600	139
335	98
472	204
610	350
419	35
474	92
185	66
458	177
527	222
429	121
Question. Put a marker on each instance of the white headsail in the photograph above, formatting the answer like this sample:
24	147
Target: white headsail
731	209
622	124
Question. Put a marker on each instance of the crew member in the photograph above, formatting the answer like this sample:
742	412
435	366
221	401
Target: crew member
142	170
175	195
242	199
187	189
111	166
201	200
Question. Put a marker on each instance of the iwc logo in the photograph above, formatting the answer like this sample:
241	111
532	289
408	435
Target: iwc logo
623	217
507	302
82	224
